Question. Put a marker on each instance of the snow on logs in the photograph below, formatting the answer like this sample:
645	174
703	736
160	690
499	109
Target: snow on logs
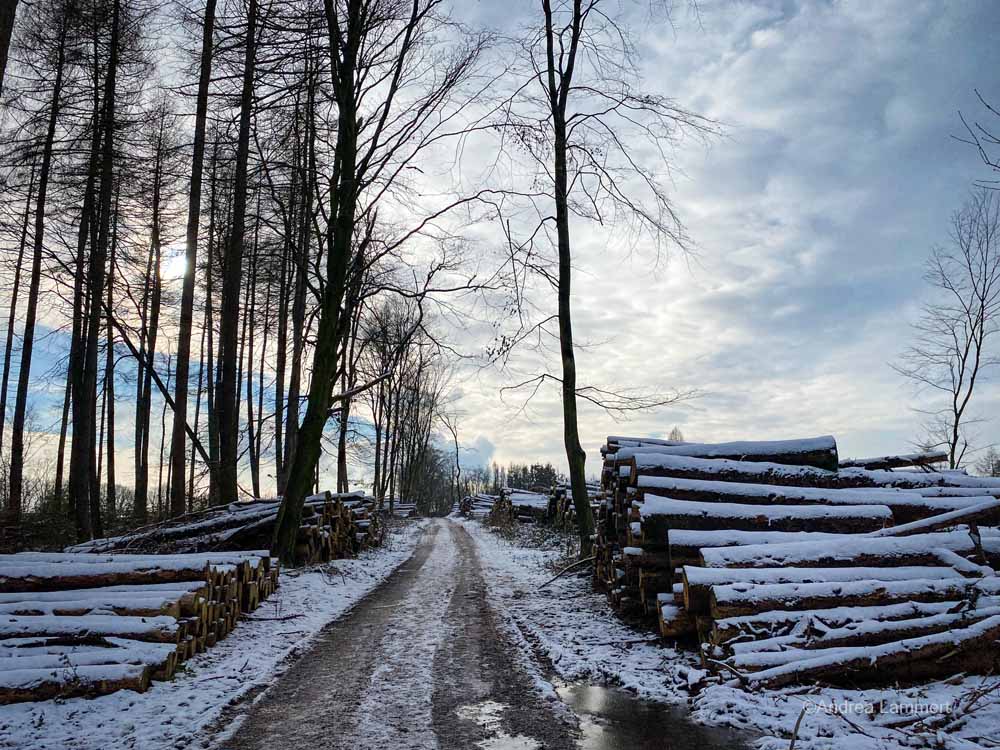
898	461
333	526
89	624
799	571
820	452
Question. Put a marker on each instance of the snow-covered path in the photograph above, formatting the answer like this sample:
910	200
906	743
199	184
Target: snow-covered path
419	664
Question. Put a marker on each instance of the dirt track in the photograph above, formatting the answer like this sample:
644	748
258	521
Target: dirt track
418	664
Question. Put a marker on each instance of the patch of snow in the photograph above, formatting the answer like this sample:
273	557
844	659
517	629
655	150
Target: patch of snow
570	625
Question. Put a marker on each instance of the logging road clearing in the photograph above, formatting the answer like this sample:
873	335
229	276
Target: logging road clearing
426	663
418	664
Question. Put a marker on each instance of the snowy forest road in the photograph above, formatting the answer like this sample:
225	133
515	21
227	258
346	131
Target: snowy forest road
418	664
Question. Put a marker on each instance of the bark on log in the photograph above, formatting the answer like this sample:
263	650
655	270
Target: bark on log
698	581
70	682
660	514
849	551
175	604
200	588
725	470
862	633
898	461
905	506
49	576
158	629
986	511
685	545
971	649
780	623
746	599
820	453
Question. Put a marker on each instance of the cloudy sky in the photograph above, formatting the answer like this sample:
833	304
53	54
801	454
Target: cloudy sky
813	216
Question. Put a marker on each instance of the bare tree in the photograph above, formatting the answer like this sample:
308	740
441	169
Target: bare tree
8	9
177	443
954	334
392	104
55	48
582	120
985	139
988	464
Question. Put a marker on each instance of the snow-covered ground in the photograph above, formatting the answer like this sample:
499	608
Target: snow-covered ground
572	627
174	714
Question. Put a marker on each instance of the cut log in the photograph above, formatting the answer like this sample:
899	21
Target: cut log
970	649
161	658
160	629
253	557
745	599
862	633
915	479
674	621
643	558
986	511
725	470
848	551
69	682
905	506
660	514
50	576
820	453
174	604
739	633
898	461
698	582
686	545
140	590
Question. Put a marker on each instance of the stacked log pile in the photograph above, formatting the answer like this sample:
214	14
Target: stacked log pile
787	566
404	509
334	526
528	507
90	624
562	511
477	506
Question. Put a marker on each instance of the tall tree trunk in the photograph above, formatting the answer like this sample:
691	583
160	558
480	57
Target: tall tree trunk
558	95
377	423
343	205
211	377
28	337
177	449
301	264
249	323
154	295
197	408
8	9
232	274
12	318
77	345
84	398
284	299
257	443
109	368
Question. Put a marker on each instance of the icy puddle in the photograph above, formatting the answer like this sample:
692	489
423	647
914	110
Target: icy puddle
488	715
615	720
